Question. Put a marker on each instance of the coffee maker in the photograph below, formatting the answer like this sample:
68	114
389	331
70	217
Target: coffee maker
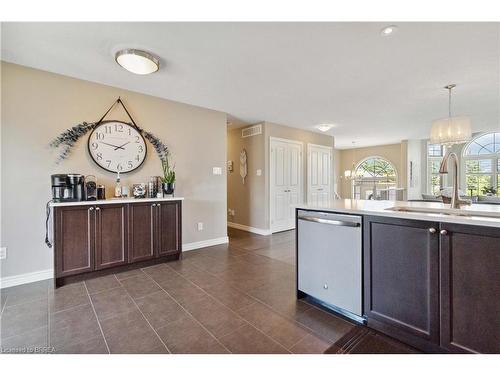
68	187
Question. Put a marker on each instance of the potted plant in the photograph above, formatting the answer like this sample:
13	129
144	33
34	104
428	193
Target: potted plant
168	179
489	191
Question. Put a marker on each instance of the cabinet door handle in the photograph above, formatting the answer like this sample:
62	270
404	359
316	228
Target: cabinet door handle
443	232
432	230
153	205
97	208
91	209
158	204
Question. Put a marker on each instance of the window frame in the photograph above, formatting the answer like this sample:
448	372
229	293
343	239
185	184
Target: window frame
493	157
354	183
430	159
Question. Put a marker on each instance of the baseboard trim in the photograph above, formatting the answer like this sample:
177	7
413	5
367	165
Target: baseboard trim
25	278
206	243
262	232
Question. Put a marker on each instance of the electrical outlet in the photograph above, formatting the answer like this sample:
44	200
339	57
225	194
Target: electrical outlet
200	226
259	172
3	252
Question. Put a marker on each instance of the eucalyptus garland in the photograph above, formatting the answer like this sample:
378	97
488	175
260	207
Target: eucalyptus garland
69	137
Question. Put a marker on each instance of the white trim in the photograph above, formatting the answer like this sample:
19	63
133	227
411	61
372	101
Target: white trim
262	232
25	278
205	243
308	172
286	140
275	229
31	277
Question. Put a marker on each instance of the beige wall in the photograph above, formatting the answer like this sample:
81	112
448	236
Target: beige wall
247	200
304	136
251	201
395	153
37	106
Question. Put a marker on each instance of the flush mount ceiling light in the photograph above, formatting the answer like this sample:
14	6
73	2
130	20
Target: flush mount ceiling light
451	130
389	30
324	127
137	61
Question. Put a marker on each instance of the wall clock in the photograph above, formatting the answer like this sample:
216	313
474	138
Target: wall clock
117	146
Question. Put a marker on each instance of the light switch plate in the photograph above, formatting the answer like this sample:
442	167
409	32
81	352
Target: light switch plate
200	226
216	171
259	172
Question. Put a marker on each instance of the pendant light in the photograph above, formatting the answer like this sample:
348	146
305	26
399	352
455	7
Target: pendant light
451	130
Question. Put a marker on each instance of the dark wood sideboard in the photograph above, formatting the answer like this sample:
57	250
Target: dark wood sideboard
103	238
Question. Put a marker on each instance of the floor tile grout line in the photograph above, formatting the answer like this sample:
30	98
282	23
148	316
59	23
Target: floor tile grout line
234	312
102	291
310	330
144	316
97	318
22	303
330	342
187	312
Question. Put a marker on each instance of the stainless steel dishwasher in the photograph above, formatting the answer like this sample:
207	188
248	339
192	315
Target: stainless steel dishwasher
329	253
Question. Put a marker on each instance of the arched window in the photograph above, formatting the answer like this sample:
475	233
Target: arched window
375	178
482	165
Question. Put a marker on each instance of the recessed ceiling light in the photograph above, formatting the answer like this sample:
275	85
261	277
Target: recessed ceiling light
324	127
137	61
389	30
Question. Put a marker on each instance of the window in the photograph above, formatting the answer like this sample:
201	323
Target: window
374	178
435	181
482	164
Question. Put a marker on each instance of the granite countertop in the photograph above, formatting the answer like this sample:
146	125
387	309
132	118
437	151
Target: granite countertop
115	201
382	208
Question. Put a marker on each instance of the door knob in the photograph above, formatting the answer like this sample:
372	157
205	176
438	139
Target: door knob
97	208
432	230
91	209
444	232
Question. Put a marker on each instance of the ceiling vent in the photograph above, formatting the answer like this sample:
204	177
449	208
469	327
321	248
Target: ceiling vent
251	131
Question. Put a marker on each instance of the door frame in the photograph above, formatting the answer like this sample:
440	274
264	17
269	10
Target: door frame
271	170
308	175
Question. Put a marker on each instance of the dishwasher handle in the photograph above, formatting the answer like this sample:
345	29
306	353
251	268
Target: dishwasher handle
342	223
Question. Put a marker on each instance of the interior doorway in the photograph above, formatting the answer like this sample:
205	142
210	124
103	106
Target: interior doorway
286	190
319	175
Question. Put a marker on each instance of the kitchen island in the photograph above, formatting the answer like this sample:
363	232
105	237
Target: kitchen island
429	276
95	238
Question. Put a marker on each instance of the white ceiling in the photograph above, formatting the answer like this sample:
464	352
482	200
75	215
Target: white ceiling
377	90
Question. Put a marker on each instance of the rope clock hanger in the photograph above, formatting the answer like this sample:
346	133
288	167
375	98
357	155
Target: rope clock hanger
115	146
243	165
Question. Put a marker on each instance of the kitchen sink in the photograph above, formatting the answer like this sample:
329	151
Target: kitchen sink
468	211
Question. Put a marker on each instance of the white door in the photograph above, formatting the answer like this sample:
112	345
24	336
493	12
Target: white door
285	182
319	175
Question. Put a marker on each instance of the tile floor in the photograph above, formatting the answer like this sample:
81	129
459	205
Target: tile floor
235	298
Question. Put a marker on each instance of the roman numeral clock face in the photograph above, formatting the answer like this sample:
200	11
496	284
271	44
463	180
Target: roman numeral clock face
117	146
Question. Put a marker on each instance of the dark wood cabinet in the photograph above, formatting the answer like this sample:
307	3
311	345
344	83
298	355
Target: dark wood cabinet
433	285
74	240
401	279
168	226
470	287
92	240
110	235
142	231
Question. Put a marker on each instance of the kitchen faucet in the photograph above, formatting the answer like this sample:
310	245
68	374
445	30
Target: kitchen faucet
456	202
